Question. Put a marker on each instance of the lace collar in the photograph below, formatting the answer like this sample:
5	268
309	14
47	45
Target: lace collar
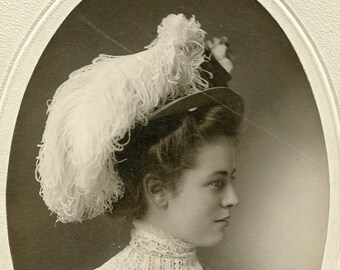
151	249
153	241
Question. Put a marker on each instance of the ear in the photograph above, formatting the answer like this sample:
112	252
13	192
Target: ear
155	190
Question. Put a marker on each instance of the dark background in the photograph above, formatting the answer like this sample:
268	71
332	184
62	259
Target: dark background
283	178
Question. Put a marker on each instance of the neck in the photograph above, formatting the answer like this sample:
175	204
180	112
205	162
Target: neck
158	220
151	248
149	238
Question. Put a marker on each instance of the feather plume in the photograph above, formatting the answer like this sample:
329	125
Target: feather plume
99	104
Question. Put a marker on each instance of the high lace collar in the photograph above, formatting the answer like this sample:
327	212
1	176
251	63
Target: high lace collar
151	249
156	242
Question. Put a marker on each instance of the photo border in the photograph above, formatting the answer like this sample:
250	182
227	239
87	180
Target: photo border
48	16
328	103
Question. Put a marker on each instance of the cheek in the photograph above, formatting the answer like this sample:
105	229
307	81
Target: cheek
197	209
193	220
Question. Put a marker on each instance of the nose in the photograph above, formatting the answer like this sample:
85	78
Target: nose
229	198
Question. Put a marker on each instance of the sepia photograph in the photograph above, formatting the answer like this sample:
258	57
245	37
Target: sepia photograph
173	135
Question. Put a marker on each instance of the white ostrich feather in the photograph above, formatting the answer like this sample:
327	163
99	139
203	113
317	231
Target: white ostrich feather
98	105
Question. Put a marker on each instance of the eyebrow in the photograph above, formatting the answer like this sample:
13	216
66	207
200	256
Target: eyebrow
225	173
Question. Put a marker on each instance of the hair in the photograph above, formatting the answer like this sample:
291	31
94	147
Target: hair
167	147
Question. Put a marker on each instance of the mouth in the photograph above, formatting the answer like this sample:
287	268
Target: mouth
225	220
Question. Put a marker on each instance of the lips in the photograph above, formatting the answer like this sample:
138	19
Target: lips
225	219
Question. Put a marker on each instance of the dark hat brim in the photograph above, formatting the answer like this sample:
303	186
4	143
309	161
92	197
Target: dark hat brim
217	95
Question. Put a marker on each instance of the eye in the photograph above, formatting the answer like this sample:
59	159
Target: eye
218	184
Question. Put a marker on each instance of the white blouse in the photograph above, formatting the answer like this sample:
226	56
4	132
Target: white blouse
151	249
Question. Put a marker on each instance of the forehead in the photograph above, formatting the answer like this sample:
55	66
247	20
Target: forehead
217	154
214	156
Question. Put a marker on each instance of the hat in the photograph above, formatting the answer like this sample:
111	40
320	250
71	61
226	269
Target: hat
98	106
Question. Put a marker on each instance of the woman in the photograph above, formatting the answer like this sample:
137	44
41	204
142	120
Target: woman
145	137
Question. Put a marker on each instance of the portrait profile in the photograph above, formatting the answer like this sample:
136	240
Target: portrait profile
258	125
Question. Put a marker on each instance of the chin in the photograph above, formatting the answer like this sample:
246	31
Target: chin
212	240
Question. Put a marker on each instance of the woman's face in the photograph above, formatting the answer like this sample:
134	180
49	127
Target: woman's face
199	211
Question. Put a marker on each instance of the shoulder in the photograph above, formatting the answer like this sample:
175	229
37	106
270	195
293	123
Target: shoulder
110	264
117	262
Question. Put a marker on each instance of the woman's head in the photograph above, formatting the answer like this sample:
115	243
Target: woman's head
80	166
162	157
199	210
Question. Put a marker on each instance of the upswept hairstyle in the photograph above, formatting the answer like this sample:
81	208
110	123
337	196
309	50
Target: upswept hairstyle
168	146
